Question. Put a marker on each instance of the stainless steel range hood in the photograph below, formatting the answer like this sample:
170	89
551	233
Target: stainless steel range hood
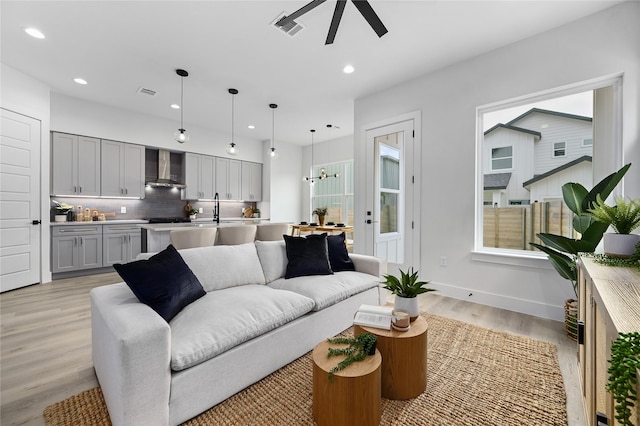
164	173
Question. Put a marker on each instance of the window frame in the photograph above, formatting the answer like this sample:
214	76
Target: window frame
584	145
555	149
344	195
532	258
493	169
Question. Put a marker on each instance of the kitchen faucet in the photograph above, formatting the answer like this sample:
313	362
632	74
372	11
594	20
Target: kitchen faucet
216	208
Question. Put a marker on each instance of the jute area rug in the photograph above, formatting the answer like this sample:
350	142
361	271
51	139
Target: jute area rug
476	376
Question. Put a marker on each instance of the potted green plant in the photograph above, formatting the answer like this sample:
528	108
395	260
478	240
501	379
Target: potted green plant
321	212
61	211
359	348
624	217
563	251
623	375
406	288
193	213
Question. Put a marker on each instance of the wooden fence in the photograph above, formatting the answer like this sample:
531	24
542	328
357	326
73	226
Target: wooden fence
514	227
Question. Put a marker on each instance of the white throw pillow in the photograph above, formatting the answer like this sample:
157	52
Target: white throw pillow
218	267
273	257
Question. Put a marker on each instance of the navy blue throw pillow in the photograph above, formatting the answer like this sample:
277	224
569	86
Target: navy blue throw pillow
164	282
307	255
338	254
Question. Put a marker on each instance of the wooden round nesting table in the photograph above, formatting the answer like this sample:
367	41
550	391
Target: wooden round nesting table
404	359
354	396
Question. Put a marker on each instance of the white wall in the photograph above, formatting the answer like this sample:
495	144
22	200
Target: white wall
27	96
602	44
281	183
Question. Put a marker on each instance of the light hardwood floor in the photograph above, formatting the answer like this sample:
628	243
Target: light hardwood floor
45	346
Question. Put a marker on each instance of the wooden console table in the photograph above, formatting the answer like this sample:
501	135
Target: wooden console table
609	304
297	229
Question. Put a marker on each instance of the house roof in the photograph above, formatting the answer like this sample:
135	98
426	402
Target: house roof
497	181
514	128
546	111
557	169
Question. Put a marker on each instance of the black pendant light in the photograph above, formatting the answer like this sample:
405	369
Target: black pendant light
181	135
323	172
232	149
273	154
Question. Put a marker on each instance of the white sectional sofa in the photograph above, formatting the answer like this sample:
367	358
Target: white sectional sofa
251	322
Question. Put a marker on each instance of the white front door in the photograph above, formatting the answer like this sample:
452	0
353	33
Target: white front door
19	201
391	198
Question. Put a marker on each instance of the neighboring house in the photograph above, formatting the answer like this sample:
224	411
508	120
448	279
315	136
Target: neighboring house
538	143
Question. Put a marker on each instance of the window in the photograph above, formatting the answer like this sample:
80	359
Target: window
336	194
587	142
520	184
502	158
559	149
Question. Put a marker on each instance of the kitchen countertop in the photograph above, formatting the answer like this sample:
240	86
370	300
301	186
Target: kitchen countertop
104	222
199	223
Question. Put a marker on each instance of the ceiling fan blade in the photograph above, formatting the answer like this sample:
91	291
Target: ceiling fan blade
370	15
335	22
304	9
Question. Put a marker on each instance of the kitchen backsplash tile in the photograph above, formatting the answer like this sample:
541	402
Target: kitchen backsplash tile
158	202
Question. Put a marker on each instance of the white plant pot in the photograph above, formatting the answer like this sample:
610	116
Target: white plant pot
620	245
408	304
60	218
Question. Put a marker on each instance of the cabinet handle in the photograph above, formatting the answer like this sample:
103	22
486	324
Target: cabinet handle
80	189
126	191
75	189
81	240
581	332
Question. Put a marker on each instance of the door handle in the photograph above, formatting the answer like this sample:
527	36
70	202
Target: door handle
35	222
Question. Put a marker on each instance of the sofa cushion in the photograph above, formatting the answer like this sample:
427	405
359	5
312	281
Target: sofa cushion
326	290
273	257
338	254
223	319
164	282
307	255
219	267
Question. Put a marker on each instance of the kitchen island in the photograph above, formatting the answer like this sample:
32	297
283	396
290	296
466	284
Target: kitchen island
155	236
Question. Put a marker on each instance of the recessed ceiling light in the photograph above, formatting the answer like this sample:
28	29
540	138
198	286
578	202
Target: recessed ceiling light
81	81
175	106
348	69
34	32
251	126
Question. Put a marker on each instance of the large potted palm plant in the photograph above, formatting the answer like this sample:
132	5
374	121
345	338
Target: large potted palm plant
563	251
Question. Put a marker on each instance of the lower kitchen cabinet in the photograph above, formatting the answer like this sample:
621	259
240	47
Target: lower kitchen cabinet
76	247
120	243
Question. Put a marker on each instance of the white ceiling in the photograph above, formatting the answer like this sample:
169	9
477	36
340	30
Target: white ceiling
119	46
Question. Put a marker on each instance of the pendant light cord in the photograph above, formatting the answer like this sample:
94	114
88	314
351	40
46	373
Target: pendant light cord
233	109
181	101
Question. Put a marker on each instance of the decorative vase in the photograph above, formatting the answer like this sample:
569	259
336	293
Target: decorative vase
407	304
61	218
571	318
321	220
620	245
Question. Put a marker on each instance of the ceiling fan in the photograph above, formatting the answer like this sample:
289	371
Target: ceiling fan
363	7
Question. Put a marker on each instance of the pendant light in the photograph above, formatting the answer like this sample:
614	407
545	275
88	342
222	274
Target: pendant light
310	179
181	135
231	149
323	172
273	154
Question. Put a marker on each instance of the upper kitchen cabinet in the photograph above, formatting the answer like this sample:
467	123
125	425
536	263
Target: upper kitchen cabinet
122	169
228	178
199	177
75	165
251	181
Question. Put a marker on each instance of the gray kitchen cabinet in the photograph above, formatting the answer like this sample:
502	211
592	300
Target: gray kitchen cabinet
76	247
199	177
251	181
75	165
120	243
122	171
228	178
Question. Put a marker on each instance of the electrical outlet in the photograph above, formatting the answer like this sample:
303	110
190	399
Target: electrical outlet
200	210
443	262
123	209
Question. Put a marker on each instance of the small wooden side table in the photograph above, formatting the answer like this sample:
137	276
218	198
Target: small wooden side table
404	359
354	396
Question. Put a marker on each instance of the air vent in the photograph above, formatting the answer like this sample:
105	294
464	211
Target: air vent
292	28
145	91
